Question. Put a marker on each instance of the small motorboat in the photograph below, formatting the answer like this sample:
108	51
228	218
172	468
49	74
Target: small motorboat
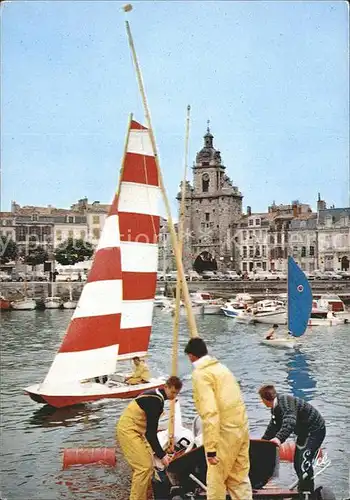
185	477
270	312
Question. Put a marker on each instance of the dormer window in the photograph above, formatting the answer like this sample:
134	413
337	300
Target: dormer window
35	218
205	183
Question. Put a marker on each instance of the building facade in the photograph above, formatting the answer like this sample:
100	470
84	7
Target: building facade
333	227
212	206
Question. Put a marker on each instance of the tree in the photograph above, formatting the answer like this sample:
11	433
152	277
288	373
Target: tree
8	250
36	256
72	251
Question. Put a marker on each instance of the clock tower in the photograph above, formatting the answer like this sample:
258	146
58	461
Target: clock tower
212	206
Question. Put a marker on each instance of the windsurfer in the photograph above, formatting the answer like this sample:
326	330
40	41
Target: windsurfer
219	403
271	333
137	434
294	415
141	374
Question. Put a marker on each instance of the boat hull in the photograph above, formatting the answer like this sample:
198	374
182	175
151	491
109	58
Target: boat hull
270	318
70	304
84	393
25	305
5	305
212	309
51	304
326	321
280	343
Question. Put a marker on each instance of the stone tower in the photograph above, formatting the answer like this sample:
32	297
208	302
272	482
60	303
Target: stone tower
212	207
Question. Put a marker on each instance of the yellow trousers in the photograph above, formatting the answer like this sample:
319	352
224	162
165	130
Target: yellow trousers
131	430
231	473
134	380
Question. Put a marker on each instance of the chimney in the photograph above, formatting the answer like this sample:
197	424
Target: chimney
295	209
321	204
249	211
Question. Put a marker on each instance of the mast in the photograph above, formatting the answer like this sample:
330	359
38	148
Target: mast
174	239
178	286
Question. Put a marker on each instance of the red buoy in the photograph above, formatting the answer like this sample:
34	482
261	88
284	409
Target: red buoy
287	452
84	456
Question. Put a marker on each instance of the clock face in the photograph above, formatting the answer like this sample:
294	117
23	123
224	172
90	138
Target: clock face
205	177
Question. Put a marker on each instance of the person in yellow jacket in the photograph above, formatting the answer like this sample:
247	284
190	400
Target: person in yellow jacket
137	434
141	372
219	403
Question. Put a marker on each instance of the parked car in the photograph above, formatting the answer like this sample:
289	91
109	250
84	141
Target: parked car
5	276
344	274
209	275
232	275
332	275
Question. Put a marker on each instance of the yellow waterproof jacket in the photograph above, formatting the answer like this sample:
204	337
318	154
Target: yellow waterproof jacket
218	400
142	371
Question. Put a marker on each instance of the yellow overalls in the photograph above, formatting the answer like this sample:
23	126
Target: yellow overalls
141	374
131	429
218	400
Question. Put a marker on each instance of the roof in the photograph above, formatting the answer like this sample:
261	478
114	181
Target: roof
335	213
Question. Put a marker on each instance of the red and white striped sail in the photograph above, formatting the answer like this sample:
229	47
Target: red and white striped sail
113	317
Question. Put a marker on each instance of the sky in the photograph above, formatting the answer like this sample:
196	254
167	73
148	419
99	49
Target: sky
272	77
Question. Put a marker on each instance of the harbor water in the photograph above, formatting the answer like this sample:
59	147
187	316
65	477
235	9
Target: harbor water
33	436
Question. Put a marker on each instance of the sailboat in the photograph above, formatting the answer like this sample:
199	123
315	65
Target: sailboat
298	309
25	303
70	304
113	319
52	302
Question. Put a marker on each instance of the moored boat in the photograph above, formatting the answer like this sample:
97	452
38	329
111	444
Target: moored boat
25	304
53	302
5	304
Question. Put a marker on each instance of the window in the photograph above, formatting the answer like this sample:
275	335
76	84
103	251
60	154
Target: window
264	250
311	267
257	222
96	233
96	219
34	217
244	252
279	238
207	216
264	266
251	251
70	220
251	222
244	235
244	268
82	235
251	234
312	251
303	251
257	252
205	183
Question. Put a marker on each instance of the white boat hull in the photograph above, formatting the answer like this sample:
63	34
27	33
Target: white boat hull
70	304
24	305
326	322
271	318
52	304
212	309
77	393
281	343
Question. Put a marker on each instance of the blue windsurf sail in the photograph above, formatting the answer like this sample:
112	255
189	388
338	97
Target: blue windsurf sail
299	299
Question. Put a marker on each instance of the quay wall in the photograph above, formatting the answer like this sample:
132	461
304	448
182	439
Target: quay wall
258	289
